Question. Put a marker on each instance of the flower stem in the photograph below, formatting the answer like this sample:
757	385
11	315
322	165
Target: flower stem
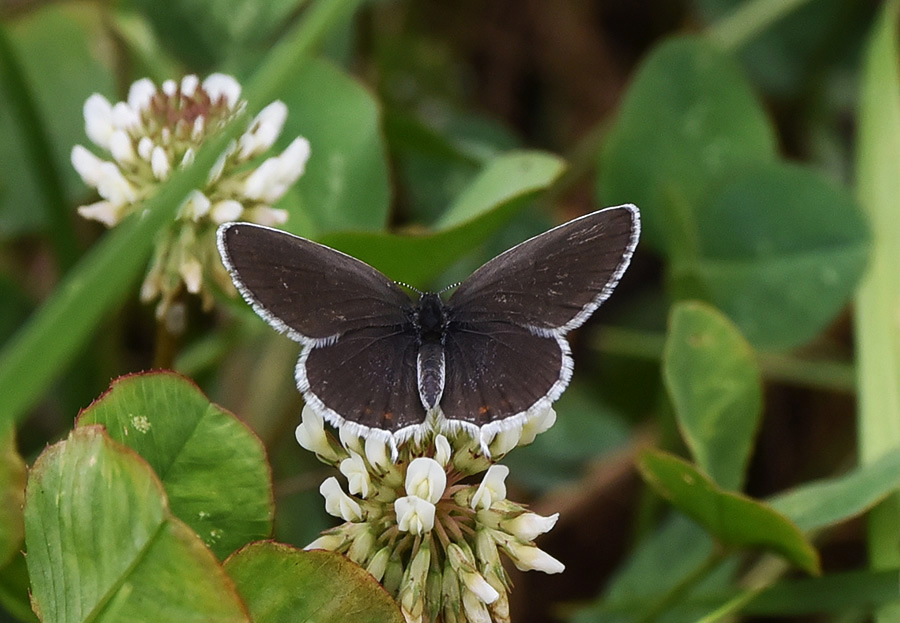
828	374
166	346
749	20
677	592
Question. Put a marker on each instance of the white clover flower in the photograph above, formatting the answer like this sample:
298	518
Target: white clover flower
528	526
464	564
426	479
98	120
379	562
86	164
350	440
537	424
442	450
492	487
264	130
411	604
530	558
311	435
378	453
354	469
222	86
273	177
159	129
225	211
327	541
504	441
121	147
362	545
338	503
435	544
102	211
159	163
414	514
475	608
192	273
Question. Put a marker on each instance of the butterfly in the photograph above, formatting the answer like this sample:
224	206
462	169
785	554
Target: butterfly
381	362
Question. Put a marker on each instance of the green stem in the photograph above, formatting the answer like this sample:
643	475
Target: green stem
877	334
749	21
819	374
297	46
677	593
36	146
732	606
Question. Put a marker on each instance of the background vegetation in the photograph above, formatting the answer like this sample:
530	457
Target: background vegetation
755	334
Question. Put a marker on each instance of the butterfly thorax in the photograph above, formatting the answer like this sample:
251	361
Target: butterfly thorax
430	322
430	317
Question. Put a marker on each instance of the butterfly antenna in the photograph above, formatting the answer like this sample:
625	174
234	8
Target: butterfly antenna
406	285
450	287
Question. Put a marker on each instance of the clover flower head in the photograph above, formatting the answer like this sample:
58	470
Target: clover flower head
433	539
158	129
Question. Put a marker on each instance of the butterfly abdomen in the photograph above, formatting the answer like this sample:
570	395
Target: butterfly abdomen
429	323
431	373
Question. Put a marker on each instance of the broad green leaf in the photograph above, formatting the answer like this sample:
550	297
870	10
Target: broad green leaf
826	502
281	584
714	383
687	124
416	259
779	249
345	186
734	519
12	494
103	547
213	467
508	175
875	319
61	48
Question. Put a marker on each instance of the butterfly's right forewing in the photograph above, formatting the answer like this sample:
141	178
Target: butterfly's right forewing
553	281
359	360
306	289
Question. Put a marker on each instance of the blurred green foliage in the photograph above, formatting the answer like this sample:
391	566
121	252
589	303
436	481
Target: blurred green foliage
758	137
